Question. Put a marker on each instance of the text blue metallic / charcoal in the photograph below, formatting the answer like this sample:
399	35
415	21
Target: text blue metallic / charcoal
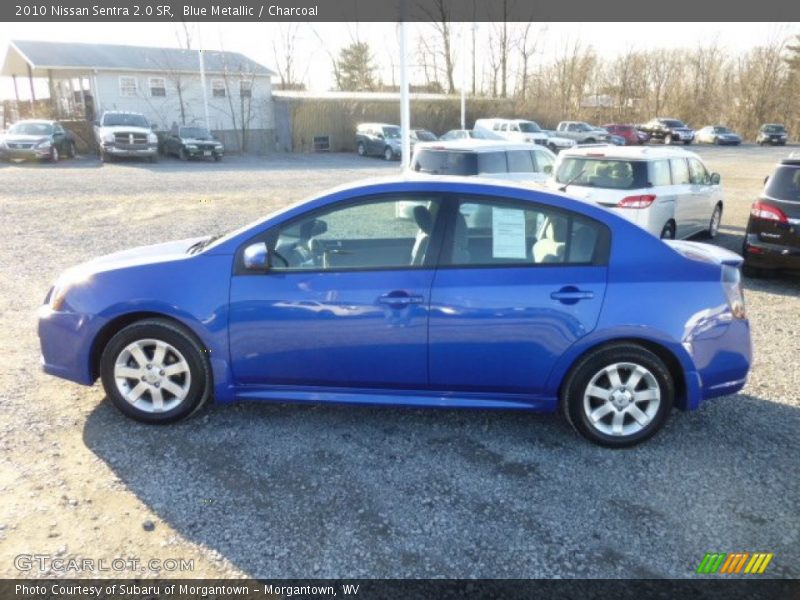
479	337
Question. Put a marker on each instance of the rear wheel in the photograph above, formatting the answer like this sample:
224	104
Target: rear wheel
618	396
388	154
714	223
668	231
362	151
154	371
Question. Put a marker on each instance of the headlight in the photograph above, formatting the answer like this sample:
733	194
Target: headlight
191	147
109	138
44	144
220	147
152	138
58	295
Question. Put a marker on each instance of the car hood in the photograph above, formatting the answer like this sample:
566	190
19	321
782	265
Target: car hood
705	252
20	137
125	129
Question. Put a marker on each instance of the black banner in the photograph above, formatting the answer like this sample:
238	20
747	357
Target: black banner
395	10
405	589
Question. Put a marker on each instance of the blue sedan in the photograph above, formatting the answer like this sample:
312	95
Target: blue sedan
438	292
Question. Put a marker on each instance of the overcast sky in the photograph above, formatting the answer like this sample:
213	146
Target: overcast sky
313	62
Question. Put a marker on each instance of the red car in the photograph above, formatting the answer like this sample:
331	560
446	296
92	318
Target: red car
628	132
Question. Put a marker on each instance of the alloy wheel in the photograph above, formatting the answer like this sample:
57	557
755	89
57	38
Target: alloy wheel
152	375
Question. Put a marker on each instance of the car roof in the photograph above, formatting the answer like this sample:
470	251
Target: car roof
377	125
626	152
47	121
476	145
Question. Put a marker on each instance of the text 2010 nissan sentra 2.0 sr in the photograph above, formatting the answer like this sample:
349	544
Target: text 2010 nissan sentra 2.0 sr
483	294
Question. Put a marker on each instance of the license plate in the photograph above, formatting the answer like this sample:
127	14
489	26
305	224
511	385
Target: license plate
207	153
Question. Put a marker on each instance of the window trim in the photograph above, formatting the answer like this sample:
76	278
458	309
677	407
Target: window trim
270	237
250	86
223	89
150	86
135	86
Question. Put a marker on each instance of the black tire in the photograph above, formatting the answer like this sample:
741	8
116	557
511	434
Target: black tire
181	339
668	231
574	403
361	149
217	158
713	228
388	153
71	150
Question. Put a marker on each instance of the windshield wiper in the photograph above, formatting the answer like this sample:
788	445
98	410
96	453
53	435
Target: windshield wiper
200	244
564	187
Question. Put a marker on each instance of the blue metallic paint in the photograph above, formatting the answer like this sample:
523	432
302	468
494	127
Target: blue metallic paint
497	339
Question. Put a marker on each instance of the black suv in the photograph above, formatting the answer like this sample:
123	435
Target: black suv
772	133
772	240
669	131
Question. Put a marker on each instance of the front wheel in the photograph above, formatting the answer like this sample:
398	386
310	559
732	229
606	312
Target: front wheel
388	154
362	151
154	371
618	396
668	231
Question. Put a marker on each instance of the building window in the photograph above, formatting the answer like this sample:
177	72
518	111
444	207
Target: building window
127	86
246	89
218	88
158	87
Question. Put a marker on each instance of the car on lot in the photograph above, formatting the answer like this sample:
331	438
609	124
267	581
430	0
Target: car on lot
774	134
772	238
669	131
717	134
523	130
667	191
556	143
581	132
628	133
474	134
421	135
36	139
125	135
554	304
378	139
192	142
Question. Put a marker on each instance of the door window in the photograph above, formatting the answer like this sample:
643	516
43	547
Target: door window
543	160
698	173
659	173
680	171
373	234
493	232
520	161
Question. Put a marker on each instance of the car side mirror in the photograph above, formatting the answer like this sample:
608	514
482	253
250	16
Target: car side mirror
548	169
715	179
256	257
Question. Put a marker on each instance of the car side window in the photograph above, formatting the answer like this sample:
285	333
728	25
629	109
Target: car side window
659	173
494	232
698	173
492	162
373	233
680	171
543	160
519	161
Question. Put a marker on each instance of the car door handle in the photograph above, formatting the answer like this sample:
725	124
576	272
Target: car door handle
400	299
571	295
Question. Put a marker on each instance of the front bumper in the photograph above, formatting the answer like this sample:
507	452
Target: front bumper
126	150
763	255
204	153
25	153
66	339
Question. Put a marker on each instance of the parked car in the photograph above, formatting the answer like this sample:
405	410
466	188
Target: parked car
556	143
192	142
475	134
668	192
487	158
522	130
774	134
772	240
717	134
581	132
557	305
37	140
643	136
421	135
379	139
669	131
125	134
628	133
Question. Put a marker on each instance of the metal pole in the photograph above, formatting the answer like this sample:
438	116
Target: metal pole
463	75
203	76
405	110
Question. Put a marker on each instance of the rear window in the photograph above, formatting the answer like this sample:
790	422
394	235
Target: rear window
603	173
784	184
442	162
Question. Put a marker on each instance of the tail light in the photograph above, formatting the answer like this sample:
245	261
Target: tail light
761	210
732	284
643	201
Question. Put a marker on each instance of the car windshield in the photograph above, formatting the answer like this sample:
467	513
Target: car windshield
124	120
529	127
603	173
198	133
425	136
674	123
483	134
391	132
32	129
722	130
774	128
784	184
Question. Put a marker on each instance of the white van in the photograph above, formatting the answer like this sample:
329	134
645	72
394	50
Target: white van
667	191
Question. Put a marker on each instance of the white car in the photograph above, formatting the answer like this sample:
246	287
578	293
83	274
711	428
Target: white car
125	134
667	191
522	130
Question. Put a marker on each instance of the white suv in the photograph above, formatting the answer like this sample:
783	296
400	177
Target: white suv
521	130
667	191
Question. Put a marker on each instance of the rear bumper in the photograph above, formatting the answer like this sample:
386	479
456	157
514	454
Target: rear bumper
762	255
24	154
722	362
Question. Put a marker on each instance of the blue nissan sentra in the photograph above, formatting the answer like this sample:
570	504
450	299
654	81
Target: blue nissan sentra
438	292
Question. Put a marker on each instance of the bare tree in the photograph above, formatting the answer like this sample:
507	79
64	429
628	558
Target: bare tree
284	48
527	44
439	17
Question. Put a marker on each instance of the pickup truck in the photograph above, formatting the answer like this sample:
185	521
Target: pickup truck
126	134
581	132
523	131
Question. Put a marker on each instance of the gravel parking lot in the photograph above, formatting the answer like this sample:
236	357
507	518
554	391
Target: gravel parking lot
299	491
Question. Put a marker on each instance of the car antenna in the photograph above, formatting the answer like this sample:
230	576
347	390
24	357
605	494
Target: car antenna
564	187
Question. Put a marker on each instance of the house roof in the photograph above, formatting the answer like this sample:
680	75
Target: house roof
68	56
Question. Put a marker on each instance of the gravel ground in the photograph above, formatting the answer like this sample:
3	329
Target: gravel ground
298	491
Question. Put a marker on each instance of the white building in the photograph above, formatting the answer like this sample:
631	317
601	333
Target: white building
164	84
